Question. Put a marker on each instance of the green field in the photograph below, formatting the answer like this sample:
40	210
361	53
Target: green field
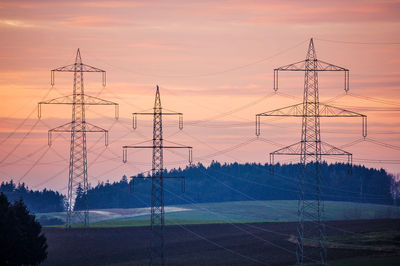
234	212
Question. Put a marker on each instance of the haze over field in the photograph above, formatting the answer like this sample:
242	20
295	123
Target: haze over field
214	62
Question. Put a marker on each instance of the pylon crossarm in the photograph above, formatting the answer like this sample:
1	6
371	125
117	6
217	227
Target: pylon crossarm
59	100
293	110
190	148
78	68
69	100
68	127
328	149
177	147
171	113
177	144
162	113
324	66
134	117
294	149
320	66
324	111
63	128
332	111
89	100
298	66
92	128
142	113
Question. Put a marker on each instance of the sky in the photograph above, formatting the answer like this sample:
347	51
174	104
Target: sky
213	61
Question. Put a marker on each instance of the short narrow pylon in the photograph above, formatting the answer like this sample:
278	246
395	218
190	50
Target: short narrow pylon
157	251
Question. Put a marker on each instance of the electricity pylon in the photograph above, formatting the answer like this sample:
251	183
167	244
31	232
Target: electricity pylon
78	176
311	149
157	177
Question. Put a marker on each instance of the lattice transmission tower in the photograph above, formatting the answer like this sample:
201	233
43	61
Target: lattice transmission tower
78	127
311	149
157	254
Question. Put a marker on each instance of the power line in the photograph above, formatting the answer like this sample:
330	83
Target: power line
373	99
35	163
218	245
20	142
213	242
26	119
215	72
191	202
358	43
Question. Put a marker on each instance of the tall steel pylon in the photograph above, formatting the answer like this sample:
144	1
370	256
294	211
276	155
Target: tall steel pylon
157	254
78	176
311	149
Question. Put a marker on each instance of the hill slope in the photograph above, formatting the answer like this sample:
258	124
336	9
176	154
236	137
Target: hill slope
234	212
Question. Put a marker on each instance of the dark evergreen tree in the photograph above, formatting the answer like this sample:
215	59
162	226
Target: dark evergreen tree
21	242
8	231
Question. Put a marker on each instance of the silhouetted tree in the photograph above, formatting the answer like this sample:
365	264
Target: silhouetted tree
21	241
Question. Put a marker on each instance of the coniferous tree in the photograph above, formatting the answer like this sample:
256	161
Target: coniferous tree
22	242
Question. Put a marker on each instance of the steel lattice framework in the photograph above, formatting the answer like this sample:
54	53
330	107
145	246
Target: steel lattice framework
78	127
157	177
311	149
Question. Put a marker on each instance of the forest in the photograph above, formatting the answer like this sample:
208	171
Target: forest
36	201
220	182
251	181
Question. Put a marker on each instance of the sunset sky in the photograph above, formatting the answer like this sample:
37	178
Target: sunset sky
213	61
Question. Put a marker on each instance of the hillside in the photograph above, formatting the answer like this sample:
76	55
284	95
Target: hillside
233	212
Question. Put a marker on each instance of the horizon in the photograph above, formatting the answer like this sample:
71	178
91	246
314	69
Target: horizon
147	174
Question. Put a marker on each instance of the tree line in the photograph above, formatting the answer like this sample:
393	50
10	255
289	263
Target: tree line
251	181
36	201
222	182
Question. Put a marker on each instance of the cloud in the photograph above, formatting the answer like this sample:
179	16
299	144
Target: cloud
95	21
155	46
16	23
312	12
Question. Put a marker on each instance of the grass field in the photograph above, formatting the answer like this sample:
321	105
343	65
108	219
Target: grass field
234	212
